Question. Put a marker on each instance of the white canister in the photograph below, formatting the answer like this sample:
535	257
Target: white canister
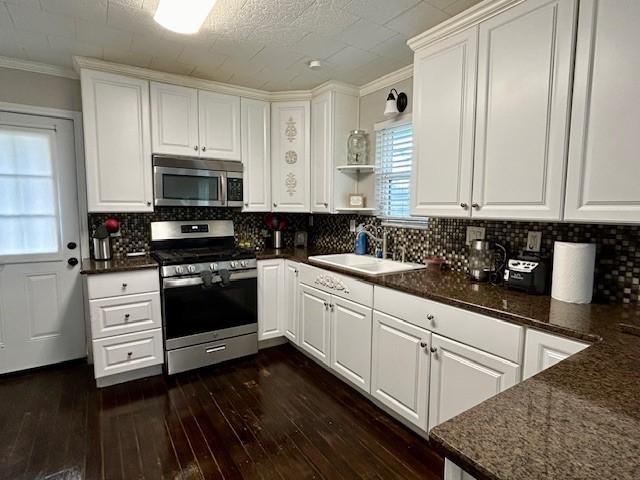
573	271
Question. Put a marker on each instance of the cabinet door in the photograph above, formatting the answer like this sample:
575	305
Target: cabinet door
400	367
174	119
524	82
462	377
351	341
291	294
270	299
117	140
542	350
290	152
321	155
219	125
444	85
315	322
603	173
256	155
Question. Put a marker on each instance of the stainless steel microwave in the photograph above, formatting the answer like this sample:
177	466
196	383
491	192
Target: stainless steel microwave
196	182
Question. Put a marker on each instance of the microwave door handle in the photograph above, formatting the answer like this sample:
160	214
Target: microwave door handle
222	185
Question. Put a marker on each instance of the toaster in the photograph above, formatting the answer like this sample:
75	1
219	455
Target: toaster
526	273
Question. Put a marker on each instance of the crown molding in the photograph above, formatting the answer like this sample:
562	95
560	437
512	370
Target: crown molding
37	67
335	86
466	19
289	96
387	80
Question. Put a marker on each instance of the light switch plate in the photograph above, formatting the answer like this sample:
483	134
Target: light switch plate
534	241
475	233
352	226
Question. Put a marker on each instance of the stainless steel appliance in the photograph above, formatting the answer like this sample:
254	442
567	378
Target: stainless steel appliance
528	273
486	260
196	182
209	293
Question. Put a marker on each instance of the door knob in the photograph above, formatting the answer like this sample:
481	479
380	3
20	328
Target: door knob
73	261
72	245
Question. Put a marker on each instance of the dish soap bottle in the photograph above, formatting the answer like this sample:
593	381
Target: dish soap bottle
361	241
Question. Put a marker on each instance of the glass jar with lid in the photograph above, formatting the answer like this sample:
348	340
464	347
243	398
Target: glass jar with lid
357	148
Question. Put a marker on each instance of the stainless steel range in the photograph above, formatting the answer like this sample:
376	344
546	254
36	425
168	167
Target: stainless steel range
209	293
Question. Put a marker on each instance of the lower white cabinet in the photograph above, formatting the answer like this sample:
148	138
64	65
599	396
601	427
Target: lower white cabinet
454	472
543	350
123	353
400	367
315	322
291	301
271	308
463	376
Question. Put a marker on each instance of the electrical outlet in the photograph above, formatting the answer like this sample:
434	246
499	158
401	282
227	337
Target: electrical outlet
311	220
475	233
534	241
352	226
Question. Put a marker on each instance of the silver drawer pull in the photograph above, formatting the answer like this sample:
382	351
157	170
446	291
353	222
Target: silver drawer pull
219	348
129	354
124	285
126	316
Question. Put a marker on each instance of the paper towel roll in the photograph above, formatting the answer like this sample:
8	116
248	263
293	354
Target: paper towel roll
573	269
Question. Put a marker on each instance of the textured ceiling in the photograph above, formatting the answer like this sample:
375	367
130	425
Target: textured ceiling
255	43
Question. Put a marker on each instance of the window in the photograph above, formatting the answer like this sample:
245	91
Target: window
394	153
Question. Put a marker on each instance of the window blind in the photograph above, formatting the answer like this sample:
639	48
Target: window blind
394	153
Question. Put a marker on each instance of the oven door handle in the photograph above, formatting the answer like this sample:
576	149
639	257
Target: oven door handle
197	280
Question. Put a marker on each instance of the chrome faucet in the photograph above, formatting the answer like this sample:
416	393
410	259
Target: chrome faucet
403	252
384	241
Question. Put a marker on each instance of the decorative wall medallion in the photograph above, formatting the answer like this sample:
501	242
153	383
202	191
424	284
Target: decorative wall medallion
291	183
291	131
291	157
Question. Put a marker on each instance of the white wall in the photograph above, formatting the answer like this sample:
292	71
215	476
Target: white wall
29	88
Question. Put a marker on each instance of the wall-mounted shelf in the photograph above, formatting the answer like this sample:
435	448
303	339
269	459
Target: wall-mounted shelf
356	168
355	209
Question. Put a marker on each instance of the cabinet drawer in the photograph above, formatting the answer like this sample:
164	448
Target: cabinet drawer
489	334
123	353
128	314
337	284
122	283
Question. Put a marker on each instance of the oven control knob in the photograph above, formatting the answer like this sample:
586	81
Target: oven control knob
233	264
213	267
179	269
191	269
243	263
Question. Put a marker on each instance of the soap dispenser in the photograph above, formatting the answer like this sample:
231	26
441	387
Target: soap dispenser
361	241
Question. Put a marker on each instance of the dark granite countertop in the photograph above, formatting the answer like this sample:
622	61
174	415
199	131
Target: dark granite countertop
117	264
579	419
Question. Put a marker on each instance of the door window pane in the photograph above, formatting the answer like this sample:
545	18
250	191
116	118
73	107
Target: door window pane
28	200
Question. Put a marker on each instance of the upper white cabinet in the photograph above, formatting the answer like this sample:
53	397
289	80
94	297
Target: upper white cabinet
271	308
543	350
290	155
524	82
186	121
117	139
256	155
443	120
333	116
604	169
174	119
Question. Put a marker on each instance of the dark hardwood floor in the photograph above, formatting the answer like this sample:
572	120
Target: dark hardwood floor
274	416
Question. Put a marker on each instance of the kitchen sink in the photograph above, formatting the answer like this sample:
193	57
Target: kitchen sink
364	264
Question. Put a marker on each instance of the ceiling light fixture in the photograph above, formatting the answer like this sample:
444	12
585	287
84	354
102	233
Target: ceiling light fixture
183	16
393	107
315	64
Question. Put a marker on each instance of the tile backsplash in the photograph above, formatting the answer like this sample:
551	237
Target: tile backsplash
618	253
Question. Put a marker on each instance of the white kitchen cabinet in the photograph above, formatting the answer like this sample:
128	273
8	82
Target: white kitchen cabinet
291	301
333	116
350	350
603	171
174	119
315	325
400	367
444	85
454	472
290	156
463	376
117	140
219	125
256	155
543	350
271	307
525	57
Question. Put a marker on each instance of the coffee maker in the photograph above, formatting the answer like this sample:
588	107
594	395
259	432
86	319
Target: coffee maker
486	260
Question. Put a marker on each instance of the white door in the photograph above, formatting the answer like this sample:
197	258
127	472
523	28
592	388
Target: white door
462	377
542	350
117	141
291	301
315	322
41	305
603	173
256	155
321	151
219	125
270	295
290	152
524	84
174	119
351	341
400	367
444	86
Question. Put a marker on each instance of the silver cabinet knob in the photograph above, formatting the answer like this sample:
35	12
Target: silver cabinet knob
204	149
126	316
195	147
148	204
325	204
434	349
246	204
124	285
476	206
430	317
423	344
275	204
331	306
326	305
464	205
129	354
